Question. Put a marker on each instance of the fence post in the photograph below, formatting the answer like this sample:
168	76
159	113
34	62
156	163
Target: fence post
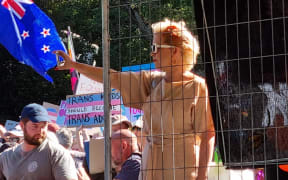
107	89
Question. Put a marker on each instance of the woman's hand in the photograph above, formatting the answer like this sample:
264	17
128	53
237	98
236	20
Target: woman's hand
66	64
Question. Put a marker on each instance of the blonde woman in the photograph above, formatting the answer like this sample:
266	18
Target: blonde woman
177	116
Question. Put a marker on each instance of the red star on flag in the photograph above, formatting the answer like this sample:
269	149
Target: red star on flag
45	32
25	34
45	48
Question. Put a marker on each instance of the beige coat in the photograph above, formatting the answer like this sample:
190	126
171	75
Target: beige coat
174	116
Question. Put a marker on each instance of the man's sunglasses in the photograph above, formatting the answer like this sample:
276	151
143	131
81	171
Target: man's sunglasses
154	47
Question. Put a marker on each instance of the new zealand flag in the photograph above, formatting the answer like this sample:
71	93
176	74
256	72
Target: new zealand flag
29	35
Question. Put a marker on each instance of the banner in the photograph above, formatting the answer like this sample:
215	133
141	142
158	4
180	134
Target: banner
9	124
61	114
88	110
52	111
131	113
96	158
88	86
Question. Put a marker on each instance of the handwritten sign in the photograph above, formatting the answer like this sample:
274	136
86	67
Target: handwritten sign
89	109
88	86
131	113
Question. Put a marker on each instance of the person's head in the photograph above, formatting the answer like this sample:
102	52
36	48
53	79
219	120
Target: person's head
14	135
65	137
34	123
120	122
180	47
138	126
123	144
51	133
53	127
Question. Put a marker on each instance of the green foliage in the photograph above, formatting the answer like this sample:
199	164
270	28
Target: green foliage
84	19
21	85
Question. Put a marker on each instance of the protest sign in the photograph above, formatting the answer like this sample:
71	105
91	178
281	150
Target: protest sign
88	86
140	67
52	111
61	114
9	124
96	159
131	113
89	109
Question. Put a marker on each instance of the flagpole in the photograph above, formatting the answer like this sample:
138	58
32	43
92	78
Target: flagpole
74	74
107	88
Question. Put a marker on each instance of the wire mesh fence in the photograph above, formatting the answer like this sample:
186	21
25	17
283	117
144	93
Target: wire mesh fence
244	42
243	57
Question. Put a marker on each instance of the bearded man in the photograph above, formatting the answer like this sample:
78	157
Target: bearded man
37	157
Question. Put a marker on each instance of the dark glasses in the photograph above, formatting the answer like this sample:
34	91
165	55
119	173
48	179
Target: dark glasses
154	47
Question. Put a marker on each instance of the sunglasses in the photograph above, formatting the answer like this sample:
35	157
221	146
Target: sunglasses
136	128
13	139
154	47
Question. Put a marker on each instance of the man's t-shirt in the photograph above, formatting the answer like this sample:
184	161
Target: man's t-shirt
130	168
47	162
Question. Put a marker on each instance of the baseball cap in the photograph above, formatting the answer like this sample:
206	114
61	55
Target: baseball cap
138	123
117	119
35	112
16	131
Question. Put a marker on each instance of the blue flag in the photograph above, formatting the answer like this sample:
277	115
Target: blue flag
29	35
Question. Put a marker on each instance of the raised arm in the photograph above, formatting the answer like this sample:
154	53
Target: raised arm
134	86
94	73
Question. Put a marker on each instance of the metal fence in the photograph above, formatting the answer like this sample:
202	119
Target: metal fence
243	56
244	44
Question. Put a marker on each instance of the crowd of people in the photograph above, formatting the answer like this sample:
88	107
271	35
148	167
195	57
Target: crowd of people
37	145
173	140
37	156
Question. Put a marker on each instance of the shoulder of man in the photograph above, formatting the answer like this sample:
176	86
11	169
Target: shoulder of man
55	147
61	161
135	157
55	150
8	155
133	163
131	168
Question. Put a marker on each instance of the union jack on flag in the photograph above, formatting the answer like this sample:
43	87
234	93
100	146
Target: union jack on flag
29	35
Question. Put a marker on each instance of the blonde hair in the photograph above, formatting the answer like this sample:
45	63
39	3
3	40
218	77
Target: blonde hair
177	34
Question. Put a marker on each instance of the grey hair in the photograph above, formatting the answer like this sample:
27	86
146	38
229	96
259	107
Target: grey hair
65	137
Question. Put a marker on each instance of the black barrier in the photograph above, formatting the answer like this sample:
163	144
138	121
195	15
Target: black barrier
244	49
